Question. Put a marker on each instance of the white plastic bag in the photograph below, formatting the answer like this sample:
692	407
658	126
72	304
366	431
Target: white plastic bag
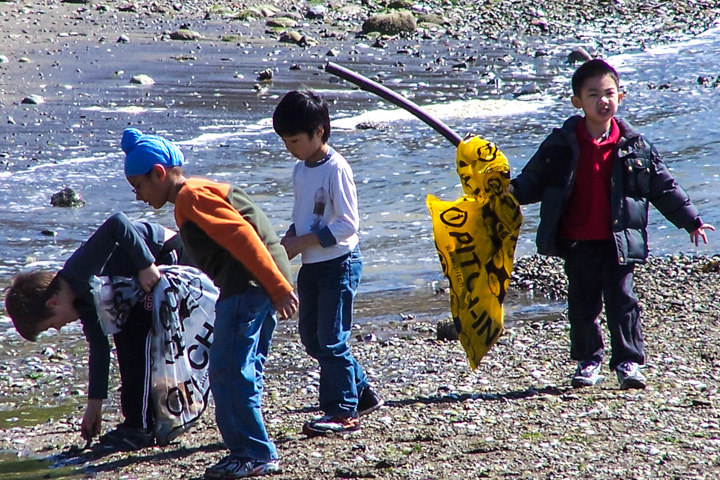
183	321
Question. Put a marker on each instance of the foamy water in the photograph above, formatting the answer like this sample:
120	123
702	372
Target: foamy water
225	132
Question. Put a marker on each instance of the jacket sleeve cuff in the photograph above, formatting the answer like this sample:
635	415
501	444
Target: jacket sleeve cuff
696	224
327	239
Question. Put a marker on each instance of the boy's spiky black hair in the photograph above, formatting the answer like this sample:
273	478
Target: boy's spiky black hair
301	111
592	69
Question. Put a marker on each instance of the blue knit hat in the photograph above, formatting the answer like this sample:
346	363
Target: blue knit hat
142	152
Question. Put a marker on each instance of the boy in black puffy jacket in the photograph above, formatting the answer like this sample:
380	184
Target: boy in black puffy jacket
595	177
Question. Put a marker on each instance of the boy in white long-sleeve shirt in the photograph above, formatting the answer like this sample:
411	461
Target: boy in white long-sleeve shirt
324	232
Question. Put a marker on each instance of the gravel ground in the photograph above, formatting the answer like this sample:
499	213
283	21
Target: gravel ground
516	416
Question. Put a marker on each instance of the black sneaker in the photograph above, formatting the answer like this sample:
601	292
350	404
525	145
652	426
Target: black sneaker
369	401
328	424
127	439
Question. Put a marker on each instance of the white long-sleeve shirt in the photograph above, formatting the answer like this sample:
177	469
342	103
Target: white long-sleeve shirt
326	204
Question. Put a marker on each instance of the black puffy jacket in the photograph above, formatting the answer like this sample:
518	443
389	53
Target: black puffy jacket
638	178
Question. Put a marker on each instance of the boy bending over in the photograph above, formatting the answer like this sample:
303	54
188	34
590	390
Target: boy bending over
230	238
40	300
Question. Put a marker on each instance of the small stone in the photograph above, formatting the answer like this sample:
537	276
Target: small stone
529	89
142	79
315	12
579	55
265	75
33	100
446	330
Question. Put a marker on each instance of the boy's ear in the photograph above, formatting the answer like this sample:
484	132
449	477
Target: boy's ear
158	171
53	301
320	131
576	102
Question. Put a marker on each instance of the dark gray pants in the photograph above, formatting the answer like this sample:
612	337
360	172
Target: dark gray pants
594	274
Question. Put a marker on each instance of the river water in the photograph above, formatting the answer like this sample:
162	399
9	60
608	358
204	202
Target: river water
207	99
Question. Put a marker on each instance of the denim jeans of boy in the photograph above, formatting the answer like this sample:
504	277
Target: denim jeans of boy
594	274
326	291
244	326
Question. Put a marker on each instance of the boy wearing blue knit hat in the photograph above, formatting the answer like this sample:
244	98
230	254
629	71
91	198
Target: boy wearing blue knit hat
231	239
145	151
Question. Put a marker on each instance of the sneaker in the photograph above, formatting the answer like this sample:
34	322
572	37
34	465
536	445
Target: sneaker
369	401
126	439
238	467
586	375
629	376
329	424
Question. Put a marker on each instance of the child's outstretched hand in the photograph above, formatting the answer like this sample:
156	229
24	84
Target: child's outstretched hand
696	235
148	277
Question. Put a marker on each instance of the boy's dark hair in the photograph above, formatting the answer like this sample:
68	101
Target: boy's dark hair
25	301
592	69
301	111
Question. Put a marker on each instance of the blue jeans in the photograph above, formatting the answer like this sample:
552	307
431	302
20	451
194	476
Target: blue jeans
326	291
244	326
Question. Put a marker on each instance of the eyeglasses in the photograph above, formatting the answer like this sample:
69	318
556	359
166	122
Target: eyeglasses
137	186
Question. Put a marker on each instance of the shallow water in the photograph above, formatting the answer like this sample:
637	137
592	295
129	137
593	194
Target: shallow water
204	99
13	467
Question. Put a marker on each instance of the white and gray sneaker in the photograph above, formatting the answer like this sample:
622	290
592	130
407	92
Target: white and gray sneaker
587	374
232	467
629	376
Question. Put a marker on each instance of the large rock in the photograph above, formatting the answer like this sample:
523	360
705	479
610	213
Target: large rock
391	23
579	55
33	100
281	22
67	197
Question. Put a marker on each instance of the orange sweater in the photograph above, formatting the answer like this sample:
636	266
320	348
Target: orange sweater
231	239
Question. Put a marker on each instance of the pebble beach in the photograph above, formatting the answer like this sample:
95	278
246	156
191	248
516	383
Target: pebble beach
516	415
